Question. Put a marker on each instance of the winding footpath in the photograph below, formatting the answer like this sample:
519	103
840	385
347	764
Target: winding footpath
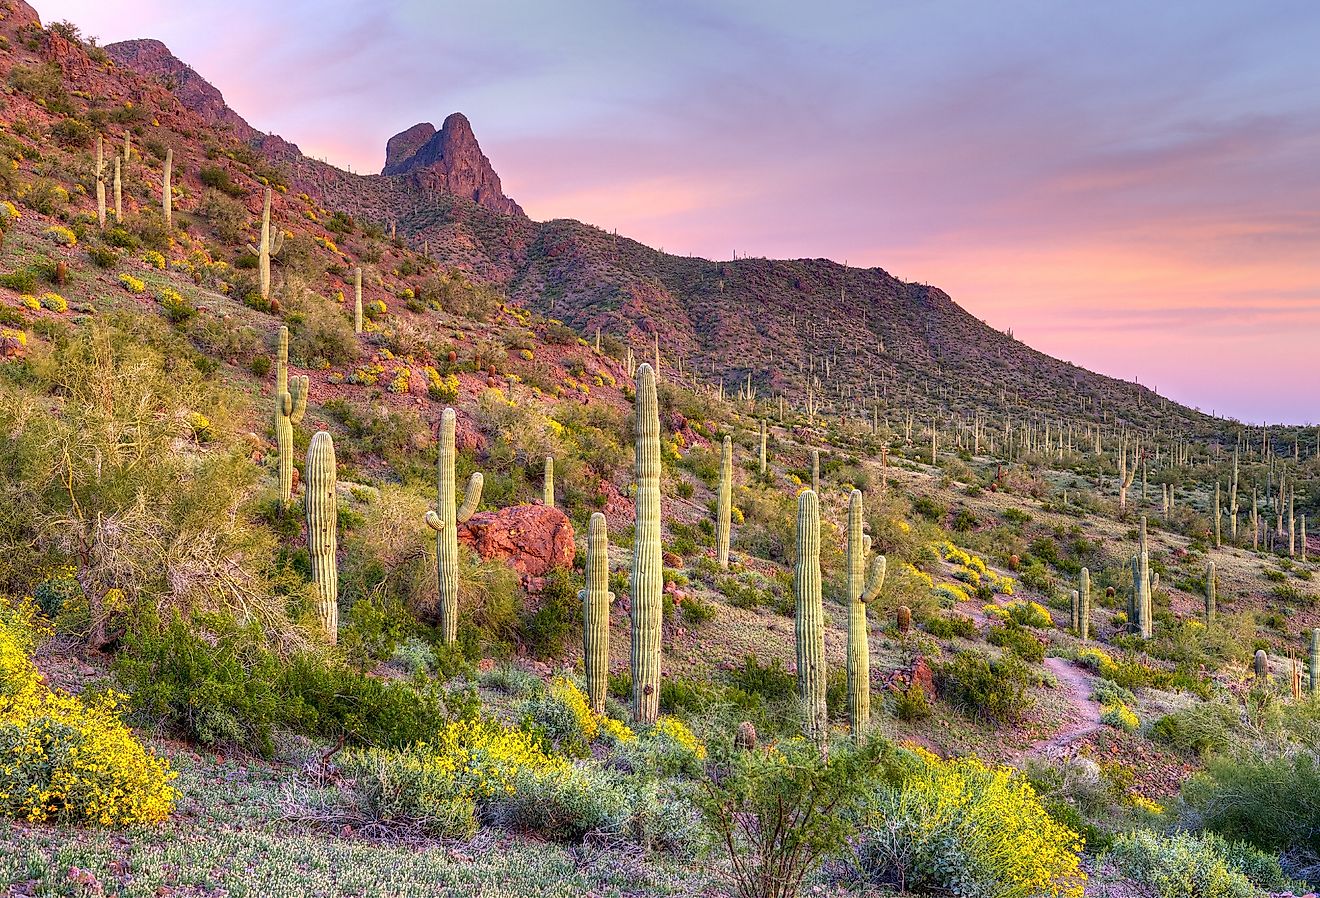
1076	685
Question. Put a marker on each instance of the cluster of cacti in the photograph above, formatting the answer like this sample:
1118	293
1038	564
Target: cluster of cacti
548	483
724	504
322	529
357	300
166	191
810	619
268	246
863	585
596	599
445	520
1210	593
290	405
647	574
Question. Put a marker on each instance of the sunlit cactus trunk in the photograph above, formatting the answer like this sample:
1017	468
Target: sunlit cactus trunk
357	300
167	192
724	504
269	245
445	520
100	180
1210	598
1314	666
815	471
863	586
548	483
647	574
119	193
1084	615
764	429
810	619
322	529
596	599
290	406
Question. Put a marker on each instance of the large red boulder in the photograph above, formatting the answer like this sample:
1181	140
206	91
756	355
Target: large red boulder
531	539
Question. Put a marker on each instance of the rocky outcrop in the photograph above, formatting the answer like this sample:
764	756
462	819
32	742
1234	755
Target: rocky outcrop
448	160
154	60
531	539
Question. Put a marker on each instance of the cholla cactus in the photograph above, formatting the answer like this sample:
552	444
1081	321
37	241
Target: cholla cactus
647	573
863	586
444	521
357	300
724	505
548	483
167	192
810	618
596	599
290	405
322	529
1210	598
268	246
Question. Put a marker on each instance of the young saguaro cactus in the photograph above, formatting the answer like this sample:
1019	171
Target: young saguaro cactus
596	599
322	529
815	471
647	573
357	300
167	192
290	405
724	504
1210	597
445	520
863	585
764	434
548	483
1084	616
1314	666
268	246
810	619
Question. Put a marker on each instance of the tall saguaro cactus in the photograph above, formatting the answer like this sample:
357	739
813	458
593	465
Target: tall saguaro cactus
445	520
1314	666
119	193
810	618
290	405
724	504
1210	598
815	471
596	599
763	442
1143	586
357	300
100	180
167	192
1084	619
647	574
863	586
269	246
322	529
548	483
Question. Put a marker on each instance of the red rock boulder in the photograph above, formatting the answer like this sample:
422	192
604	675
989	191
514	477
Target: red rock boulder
531	539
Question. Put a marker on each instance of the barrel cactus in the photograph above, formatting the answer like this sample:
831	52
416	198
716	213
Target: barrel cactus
810	618
596	599
647	573
445	520
863	586
322	529
903	619
724	507
1262	667
290	406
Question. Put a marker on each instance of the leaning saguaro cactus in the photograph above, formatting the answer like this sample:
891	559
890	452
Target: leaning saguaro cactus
863	586
647	574
444	521
810	618
167	192
724	504
269	246
322	529
357	300
596	599
290	405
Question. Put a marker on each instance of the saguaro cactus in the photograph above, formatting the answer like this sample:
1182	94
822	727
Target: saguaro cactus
815	471
596	599
167	192
322	529
269	246
444	521
119	193
100	180
810	618
357	300
548	483
1314	666
646	570
763	442
290	405
1143	586
724	504
1084	620
863	586
1209	593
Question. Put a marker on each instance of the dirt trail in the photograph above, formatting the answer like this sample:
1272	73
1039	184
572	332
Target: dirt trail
1077	686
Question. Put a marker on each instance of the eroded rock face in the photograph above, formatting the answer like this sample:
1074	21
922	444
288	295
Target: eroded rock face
154	59
449	160
531	539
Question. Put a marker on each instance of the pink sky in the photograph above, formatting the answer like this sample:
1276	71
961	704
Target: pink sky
1130	187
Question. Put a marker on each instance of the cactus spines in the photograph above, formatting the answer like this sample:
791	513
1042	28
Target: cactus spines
290	405
863	586
596	599
268	246
1262	667
357	300
322	529
810	620
815	471
1084	615
1314	666
445	520
1210	597
167	192
100	180
647	574
548	483
724	505
763	441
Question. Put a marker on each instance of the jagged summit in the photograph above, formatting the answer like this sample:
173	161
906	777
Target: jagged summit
152	58
453	154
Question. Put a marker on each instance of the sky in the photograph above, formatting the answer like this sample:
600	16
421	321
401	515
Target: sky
1131	186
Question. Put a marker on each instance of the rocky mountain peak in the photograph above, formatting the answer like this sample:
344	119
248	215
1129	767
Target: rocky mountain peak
153	59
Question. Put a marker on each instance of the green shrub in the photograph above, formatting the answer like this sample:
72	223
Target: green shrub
546	630
771	681
1181	865
981	687
1017	640
1271	803
1204	728
948	626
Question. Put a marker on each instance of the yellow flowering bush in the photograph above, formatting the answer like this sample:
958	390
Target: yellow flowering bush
154	259
1120	716
132	284
54	302
563	712
8	213
62	235
63	760
375	309
12	341
400	381
441	389
30	302
961	827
